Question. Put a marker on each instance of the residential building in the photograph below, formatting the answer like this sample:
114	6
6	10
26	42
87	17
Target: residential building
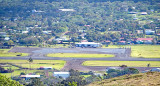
6	38
115	68
98	74
29	76
24	32
132	12
139	31
47	32
107	42
149	32
121	43
143	40
67	10
3	34
143	13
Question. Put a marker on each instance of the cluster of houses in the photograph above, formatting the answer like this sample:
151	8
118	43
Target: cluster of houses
65	75
4	34
122	42
57	74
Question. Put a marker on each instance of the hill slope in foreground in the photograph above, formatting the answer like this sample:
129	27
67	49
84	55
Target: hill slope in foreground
145	79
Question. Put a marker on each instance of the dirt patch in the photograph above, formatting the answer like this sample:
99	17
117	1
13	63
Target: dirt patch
24	49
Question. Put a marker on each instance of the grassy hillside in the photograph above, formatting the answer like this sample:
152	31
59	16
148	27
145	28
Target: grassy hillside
146	79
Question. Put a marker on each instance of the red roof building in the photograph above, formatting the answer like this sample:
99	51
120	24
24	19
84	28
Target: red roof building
84	41
143	39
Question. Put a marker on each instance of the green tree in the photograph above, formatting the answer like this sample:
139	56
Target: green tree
30	60
35	82
4	81
72	83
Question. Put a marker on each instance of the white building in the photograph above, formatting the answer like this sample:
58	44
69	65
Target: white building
6	38
149	32
47	32
155	70
64	75
115	68
88	44
29	76
143	13
66	10
24	32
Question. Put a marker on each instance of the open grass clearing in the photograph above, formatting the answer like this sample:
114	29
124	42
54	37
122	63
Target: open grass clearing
80	55
141	51
12	67
5	53
118	63
57	64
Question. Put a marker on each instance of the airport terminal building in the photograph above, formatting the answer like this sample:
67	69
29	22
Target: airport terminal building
88	45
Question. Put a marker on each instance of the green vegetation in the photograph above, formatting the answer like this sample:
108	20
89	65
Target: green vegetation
5	53
40	21
141	51
4	81
118	63
57	64
85	76
78	55
144	79
12	67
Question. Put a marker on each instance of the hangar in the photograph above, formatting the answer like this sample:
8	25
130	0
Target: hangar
88	45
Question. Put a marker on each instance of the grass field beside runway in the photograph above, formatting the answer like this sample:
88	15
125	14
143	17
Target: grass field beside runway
118	63
141	51
57	64
5	53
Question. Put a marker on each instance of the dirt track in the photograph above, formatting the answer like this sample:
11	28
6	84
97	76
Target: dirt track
75	63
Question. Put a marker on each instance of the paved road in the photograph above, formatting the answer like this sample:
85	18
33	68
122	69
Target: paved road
75	63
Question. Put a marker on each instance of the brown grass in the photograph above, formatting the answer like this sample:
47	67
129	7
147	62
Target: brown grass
146	79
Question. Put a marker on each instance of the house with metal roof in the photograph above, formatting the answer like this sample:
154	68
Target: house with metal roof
64	75
29	76
88	45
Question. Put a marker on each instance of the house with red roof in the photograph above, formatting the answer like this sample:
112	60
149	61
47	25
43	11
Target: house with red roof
143	40
121	42
106	42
